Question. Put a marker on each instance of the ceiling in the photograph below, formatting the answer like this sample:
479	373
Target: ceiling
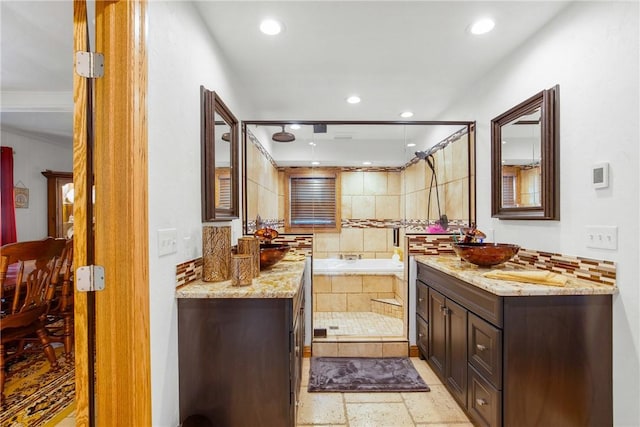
396	56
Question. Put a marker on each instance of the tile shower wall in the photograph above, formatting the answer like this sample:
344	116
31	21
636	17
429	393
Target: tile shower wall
371	204
262	186
453	175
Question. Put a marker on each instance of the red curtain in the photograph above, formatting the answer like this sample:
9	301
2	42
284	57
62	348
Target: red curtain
8	214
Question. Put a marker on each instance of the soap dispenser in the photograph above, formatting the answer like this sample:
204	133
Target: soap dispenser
397	254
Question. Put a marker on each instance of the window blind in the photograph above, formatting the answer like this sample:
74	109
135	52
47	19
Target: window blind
508	191
313	201
225	192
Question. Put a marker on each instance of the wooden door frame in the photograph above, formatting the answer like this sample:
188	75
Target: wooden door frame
122	322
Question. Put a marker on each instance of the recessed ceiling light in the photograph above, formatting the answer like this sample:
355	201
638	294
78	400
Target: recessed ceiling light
366	163
295	126
315	163
271	27
482	26
406	114
411	144
313	144
354	99
504	142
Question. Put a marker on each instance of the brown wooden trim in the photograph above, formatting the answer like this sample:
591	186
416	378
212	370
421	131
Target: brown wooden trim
414	351
81	339
123	386
307	351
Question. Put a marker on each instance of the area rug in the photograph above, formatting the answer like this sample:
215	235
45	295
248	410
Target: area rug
35	394
364	374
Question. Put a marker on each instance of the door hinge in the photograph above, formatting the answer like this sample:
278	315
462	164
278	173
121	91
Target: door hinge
90	64
90	278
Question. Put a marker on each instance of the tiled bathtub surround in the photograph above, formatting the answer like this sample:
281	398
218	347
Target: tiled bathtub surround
598	271
354	293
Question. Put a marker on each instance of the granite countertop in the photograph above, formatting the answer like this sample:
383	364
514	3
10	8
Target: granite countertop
472	274
280	281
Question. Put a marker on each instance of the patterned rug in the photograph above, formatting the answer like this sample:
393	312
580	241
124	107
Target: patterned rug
364	374
35	393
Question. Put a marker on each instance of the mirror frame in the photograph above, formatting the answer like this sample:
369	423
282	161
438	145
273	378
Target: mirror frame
211	104
547	101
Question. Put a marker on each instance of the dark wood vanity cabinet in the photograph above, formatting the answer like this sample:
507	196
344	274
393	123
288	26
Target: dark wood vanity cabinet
518	360
240	359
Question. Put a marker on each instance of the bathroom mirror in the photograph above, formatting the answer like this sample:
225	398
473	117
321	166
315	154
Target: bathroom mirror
219	152
383	185
525	160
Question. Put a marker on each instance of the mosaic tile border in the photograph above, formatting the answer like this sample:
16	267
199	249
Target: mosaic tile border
410	226
260	148
598	271
300	243
188	271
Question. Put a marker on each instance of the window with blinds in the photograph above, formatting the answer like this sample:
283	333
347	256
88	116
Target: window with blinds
508	191
224	185
313	202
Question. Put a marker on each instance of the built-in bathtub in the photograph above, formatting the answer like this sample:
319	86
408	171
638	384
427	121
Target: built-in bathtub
357	266
359	307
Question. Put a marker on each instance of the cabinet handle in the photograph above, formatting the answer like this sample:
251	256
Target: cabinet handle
420	299
420	335
480	347
481	402
444	310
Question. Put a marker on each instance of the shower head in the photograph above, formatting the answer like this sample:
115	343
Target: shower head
283	136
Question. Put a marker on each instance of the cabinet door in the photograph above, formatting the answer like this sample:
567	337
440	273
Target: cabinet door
437	332
422	300
422	338
456	352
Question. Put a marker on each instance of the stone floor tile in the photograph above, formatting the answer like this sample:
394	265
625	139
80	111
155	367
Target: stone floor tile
320	408
372	397
435	406
425	371
378	415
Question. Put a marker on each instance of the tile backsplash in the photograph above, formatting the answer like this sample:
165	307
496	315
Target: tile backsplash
599	271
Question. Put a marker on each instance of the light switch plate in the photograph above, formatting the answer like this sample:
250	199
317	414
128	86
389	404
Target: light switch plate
601	236
167	241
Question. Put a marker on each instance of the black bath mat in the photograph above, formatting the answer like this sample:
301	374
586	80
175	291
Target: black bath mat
364	374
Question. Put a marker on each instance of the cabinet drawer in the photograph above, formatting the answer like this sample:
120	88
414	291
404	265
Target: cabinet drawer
484	401
422	338
422	300
485	349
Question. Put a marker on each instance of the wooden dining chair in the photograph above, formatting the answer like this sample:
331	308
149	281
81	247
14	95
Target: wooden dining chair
24	297
59	318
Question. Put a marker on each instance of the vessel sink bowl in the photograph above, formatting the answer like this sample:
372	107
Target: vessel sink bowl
272	253
486	254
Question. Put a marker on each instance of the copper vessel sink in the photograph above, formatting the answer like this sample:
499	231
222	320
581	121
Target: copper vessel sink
272	253
486	254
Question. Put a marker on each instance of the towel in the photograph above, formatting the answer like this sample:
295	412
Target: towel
538	277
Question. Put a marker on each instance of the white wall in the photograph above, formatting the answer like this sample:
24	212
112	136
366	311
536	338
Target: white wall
182	56
32	155
592	51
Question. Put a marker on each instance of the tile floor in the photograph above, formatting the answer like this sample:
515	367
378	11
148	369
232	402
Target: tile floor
358	323
435	408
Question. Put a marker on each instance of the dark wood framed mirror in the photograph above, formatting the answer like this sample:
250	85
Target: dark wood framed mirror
219	153
525	160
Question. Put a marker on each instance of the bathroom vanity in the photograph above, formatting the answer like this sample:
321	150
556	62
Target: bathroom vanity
517	354
240	348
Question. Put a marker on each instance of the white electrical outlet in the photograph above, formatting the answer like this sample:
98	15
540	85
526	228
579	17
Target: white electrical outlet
601	236
167	241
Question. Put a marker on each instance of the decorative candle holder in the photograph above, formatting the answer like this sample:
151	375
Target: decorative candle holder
216	253
241	269
251	246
